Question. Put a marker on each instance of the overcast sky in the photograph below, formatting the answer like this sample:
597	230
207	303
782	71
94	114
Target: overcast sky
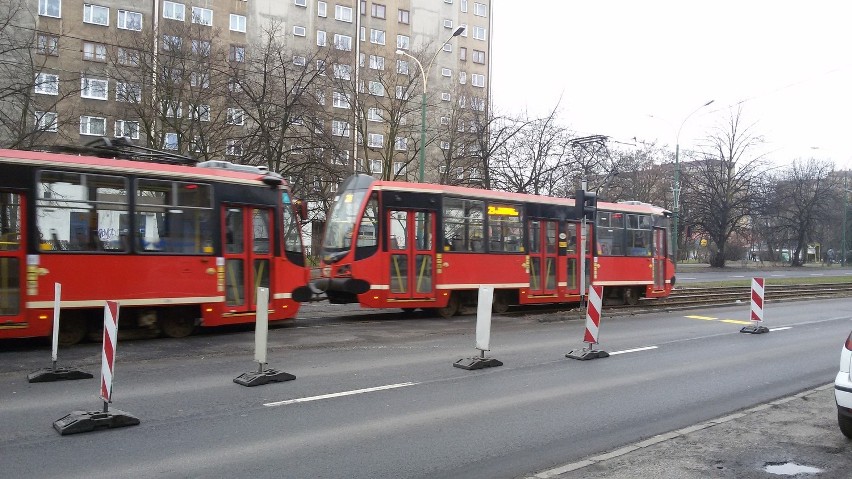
615	62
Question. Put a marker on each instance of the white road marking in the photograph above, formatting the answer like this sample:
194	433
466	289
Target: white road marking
335	395
684	277
777	275
817	274
737	276
646	348
781	329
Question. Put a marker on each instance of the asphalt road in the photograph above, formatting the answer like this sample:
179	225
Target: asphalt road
537	411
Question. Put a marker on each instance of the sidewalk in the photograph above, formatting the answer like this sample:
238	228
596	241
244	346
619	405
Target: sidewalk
794	434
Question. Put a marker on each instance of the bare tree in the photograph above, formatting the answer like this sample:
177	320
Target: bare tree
801	201
641	176
720	190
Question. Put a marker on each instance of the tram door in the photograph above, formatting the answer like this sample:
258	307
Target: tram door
12	260
573	232
412	254
247	243
660	249
543	255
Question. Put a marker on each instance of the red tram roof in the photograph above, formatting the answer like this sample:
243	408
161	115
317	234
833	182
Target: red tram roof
95	163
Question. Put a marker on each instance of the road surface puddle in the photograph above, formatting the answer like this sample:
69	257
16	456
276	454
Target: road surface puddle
789	469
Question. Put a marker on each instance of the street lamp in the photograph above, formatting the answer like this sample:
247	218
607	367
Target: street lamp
423	74
676	185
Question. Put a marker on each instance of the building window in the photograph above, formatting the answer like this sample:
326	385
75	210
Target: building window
322	9
462	78
94	88
479	33
448	47
201	48
202	16
321	38
299	30
342	72
464	32
377	62
479	9
172	109
170	141
199	79
128	92
92	125
172	43
377	36
463	6
233	147
128	57
199	112
445	120
445	96
401	93
477	103
444	145
446	72
343	42
237	54
47	44
378	10
50	8
235	117
238	23
46	121
344	14
374	114
47	84
375	140
126	128
401	144
339	100
477	80
376	166
376	88
301	3
462	53
448	23
128	20
404	17
402	67
174	11
403	42
299	60
478	56
339	128
399	168
95	14
95	52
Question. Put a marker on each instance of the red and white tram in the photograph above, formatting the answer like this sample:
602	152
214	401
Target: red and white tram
410	245
177	246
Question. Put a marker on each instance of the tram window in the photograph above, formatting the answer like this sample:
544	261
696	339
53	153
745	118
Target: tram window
173	217
10	222
505	229
292	237
82	212
369	224
463	228
610	233
638	235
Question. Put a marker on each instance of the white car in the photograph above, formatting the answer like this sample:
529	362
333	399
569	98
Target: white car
843	389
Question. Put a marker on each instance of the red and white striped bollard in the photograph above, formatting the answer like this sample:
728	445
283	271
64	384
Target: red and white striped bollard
757	295
593	322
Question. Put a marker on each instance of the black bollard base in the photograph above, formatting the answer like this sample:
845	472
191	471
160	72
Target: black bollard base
87	421
47	375
263	377
477	363
754	329
586	354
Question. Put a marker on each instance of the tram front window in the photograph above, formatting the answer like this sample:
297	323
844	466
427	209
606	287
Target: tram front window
341	221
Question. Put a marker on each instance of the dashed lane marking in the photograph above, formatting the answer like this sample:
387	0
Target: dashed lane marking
706	318
781	328
734	321
341	394
634	350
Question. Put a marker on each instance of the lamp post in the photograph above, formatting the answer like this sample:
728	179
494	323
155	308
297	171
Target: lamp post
676	184
423	74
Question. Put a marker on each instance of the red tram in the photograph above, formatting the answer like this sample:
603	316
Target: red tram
410	245
178	246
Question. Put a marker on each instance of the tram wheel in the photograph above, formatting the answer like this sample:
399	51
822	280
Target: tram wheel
501	302
630	296
450	309
72	331
177	326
